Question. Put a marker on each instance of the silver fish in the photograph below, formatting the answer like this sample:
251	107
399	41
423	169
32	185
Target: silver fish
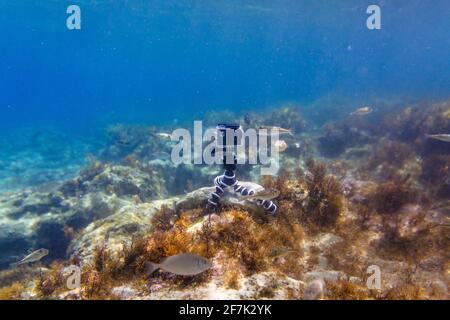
184	264
442	137
32	257
265	194
361	111
164	135
269	130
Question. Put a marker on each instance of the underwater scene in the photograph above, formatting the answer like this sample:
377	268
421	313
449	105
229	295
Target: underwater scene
108	190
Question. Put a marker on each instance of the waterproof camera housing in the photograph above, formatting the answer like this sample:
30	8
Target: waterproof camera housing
229	136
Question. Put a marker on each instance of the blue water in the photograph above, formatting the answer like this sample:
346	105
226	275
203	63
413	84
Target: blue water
156	61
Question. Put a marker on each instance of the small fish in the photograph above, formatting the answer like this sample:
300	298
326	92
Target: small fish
281	145
32	257
314	290
184	264
270	131
362	111
164	135
442	137
265	194
281	251
123	142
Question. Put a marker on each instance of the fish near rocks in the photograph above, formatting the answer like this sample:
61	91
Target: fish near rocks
270	130
32	257
183	264
362	111
164	135
265	194
441	137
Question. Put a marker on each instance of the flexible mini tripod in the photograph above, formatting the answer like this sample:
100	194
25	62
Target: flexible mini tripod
228	178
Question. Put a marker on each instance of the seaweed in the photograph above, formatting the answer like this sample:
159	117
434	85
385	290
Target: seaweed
412	123
346	290
49	284
405	292
232	273
435	174
419	241
280	183
163	219
391	196
325	195
390	155
12	292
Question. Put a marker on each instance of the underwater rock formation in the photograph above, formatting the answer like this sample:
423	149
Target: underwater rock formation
379	198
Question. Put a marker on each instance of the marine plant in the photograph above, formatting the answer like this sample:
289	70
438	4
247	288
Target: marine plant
390	155
49	284
435	174
163	219
405	292
12	292
425	239
280	183
325	201
391	196
346	290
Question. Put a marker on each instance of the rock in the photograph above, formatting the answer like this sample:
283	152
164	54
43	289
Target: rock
200	196
264	285
32	219
314	290
14	243
133	219
101	203
124	292
49	234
